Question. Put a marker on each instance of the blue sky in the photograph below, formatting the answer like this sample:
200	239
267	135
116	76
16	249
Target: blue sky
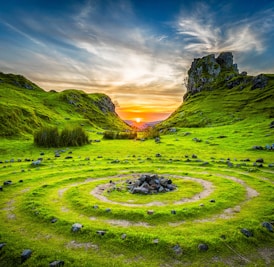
136	51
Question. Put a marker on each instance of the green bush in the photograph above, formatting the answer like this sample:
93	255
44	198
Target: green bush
111	135
47	137
73	137
50	137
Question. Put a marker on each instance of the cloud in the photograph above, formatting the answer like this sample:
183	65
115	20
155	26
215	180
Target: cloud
204	32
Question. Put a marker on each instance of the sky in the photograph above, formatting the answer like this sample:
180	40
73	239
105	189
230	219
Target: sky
137	52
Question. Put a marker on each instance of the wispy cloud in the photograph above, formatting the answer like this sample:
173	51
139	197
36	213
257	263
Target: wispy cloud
203	33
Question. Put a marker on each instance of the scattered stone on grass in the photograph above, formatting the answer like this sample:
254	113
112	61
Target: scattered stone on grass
9	182
54	220
1	188
260	160
257	148
57	263
25	255
36	163
2	245
173	212
150	212
123	236
268	226
212	200
101	232
76	227
68	157
271	165
229	164
155	241
194	156
108	210
178	250
203	247
158	155
246	232
21	181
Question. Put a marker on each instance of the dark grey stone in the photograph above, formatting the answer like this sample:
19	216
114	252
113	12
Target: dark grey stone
58	263
2	245
212	200
123	236
1	188
108	210
260	160
76	227
268	226
203	247
246	232
177	249
9	182
173	212
101	232
54	220
25	255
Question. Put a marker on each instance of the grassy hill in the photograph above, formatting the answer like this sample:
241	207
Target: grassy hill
24	107
218	105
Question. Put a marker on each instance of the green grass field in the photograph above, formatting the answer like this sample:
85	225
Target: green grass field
68	190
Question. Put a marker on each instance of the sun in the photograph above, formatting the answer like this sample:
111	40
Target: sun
138	120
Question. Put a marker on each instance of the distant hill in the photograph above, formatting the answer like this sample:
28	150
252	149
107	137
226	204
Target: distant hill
217	94
24	107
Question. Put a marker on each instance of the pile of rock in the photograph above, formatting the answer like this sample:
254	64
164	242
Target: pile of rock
150	184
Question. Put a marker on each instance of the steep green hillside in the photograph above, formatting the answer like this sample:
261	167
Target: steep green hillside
24	107
226	98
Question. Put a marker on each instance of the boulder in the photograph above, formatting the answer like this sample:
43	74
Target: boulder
36	163
259	82
76	227
57	263
203	247
268	226
150	212
101	232
26	254
9	182
246	232
123	236
177	249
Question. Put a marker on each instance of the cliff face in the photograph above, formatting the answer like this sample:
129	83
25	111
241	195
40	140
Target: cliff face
206	70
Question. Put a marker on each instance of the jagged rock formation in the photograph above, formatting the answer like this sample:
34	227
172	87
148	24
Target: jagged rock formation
205	70
218	94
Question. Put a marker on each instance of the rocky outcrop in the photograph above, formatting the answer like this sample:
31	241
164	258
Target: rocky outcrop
208	72
204	71
105	104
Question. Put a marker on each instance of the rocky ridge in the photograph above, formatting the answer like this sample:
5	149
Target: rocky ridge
208	72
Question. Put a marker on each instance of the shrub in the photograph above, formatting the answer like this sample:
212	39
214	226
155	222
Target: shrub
47	137
50	137
111	135
73	137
